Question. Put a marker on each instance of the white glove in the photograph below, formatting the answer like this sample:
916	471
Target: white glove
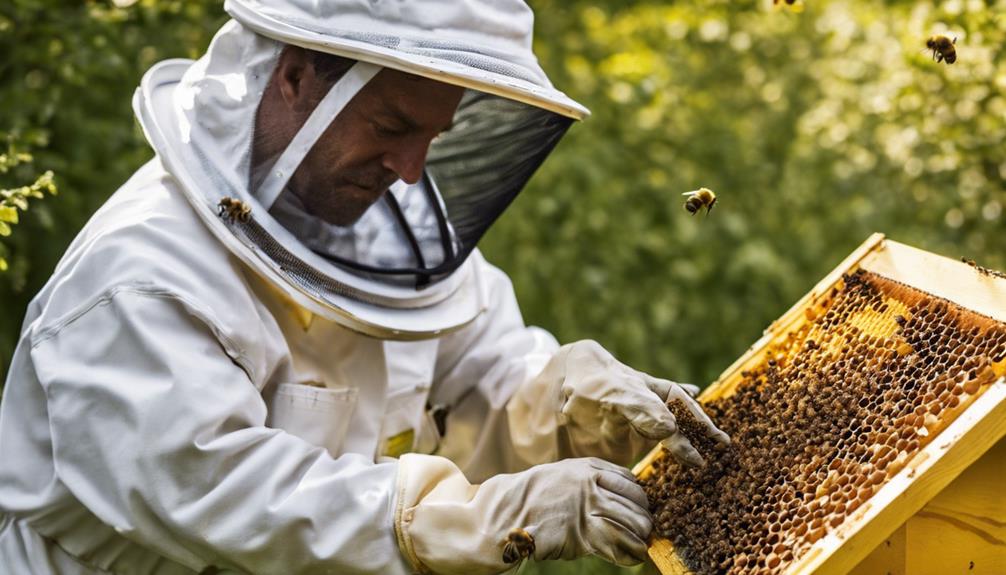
598	407
570	508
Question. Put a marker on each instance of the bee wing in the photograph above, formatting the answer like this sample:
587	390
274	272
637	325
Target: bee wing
689	194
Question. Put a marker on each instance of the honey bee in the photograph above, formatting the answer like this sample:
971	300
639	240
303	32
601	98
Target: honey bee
943	48
232	209
982	269
698	199
519	545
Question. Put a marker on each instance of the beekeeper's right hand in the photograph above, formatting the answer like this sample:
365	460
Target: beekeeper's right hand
571	508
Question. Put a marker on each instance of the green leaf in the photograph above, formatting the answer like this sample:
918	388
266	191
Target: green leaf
8	214
45	182
4	229
3	265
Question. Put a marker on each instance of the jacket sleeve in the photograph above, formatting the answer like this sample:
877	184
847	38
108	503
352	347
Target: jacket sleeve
479	368
162	436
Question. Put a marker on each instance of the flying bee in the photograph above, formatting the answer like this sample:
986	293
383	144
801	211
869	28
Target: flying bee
943	48
232	209
519	545
698	199
790	5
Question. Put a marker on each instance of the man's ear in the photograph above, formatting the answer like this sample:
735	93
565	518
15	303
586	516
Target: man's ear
296	77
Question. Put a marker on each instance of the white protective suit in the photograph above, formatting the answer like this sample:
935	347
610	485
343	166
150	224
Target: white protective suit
175	406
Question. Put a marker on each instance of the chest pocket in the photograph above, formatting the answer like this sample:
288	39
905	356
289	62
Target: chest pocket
318	415
404	430
407	426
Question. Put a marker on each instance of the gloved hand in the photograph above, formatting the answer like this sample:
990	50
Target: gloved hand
600	407
570	508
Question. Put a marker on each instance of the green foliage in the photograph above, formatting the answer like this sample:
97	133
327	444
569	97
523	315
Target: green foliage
815	129
67	74
14	200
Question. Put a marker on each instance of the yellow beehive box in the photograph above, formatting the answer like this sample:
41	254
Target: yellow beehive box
936	502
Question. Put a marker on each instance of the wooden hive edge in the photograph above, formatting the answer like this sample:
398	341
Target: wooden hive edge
940	276
661	552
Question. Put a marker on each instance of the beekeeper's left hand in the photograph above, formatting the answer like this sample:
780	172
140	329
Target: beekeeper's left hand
604	408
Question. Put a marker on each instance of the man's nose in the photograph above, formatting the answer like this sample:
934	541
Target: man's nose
408	161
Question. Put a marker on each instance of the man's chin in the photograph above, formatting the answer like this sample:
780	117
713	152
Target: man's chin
344	215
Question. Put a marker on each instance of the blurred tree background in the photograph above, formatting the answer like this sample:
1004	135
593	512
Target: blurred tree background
815	128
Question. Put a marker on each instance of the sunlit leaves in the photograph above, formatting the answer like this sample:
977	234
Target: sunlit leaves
13	200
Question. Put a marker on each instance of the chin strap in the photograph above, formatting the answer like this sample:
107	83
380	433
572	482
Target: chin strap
338	96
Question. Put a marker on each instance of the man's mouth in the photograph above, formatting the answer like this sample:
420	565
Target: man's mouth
372	186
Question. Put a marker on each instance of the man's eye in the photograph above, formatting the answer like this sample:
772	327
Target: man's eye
383	130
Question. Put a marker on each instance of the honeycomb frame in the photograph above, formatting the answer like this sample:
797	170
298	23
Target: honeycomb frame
974	430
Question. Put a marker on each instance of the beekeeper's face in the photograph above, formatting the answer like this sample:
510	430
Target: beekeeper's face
382	134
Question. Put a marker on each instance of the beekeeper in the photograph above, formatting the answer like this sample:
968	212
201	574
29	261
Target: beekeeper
277	349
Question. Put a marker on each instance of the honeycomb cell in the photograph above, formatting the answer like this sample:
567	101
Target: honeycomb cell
820	422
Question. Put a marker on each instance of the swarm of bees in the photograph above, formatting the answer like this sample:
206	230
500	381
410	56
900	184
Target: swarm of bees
698	199
231	210
943	48
519	545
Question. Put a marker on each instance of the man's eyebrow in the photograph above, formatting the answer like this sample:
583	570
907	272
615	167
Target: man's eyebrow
410	124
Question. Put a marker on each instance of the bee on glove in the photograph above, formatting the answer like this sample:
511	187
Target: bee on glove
519	545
